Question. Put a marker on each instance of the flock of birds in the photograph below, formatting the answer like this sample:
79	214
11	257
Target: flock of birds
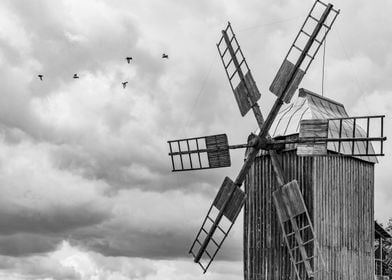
124	84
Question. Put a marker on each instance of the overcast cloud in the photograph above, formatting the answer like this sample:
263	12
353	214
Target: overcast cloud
86	190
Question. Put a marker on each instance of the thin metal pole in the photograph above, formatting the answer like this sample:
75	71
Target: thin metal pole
382	133
323	73
353	143
367	135
340	134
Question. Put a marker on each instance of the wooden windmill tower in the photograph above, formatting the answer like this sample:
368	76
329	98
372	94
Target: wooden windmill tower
284	220
337	185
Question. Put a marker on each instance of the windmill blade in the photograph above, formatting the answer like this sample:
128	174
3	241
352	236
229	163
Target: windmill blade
303	50
240	78
200	153
342	135
297	229
244	89
217	223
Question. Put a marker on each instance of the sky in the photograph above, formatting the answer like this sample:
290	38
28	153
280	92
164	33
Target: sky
86	188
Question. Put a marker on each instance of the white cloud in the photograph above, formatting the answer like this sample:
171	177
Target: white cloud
69	262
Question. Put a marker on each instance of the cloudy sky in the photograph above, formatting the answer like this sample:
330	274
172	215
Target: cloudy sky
86	190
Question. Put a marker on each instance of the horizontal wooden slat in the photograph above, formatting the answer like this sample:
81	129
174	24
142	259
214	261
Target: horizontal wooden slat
220	155
311	129
314	128
311	149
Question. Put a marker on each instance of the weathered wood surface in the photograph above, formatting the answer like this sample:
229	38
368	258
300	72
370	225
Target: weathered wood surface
229	202
200	152
345	188
289	206
339	195
265	252
236	197
312	129
220	155
246	93
289	201
282	80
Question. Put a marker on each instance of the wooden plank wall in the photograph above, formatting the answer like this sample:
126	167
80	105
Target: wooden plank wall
344	205
339	194
265	254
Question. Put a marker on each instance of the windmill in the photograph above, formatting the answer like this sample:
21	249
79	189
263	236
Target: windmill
214	151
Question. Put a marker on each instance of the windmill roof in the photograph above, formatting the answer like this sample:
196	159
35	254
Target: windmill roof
310	105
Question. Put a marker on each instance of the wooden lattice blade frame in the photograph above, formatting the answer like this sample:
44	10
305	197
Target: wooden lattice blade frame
199	153
343	135
300	239
217	223
237	70
303	50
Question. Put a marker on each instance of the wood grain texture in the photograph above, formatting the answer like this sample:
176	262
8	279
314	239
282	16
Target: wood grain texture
221	156
235	203
246	93
339	195
264	248
288	201
310	129
282	78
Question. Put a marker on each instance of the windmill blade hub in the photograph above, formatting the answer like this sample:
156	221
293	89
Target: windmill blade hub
264	143
253	140
258	142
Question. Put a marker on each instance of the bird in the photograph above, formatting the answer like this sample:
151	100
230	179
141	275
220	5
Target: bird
129	58
40	76
165	55
75	76
124	84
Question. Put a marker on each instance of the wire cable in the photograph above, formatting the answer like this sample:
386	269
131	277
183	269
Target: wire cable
323	70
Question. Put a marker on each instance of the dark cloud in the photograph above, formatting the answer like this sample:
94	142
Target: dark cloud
136	243
115	240
57	220
25	244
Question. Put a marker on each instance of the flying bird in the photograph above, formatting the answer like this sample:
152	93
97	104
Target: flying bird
165	55
40	76
75	76
129	58
124	84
